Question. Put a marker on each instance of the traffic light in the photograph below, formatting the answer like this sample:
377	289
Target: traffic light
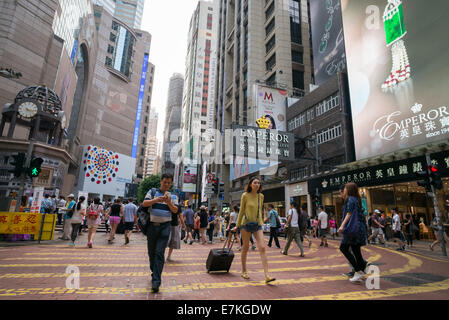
215	184
424	180
435	178
18	163
35	167
317	200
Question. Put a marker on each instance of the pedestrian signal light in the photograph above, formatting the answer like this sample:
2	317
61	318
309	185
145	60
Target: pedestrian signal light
35	167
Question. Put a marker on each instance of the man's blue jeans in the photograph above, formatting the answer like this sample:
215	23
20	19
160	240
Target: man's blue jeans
157	240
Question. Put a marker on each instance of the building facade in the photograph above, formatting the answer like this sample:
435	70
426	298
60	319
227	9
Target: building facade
151	151
172	131
63	64
129	11
259	42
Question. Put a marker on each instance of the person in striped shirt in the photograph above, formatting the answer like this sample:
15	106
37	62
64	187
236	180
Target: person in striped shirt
162	204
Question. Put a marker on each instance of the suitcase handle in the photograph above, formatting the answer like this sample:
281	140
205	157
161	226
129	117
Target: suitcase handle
232	243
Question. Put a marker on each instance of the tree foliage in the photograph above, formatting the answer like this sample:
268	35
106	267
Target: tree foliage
149	182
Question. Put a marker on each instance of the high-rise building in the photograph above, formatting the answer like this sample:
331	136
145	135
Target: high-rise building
198	112
120	100
151	150
259	42
172	121
62	64
129	11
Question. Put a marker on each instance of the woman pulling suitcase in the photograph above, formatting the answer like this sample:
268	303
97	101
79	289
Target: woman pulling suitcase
250	221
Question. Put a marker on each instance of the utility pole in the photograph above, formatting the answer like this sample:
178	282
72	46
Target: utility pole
23	177
437	211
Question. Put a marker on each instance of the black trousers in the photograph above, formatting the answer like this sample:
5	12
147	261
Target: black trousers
210	232
75	229
353	253
274	235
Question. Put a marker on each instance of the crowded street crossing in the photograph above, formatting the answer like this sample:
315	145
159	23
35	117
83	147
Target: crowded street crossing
122	272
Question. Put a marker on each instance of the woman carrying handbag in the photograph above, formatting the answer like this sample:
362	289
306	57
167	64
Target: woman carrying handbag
250	222
353	229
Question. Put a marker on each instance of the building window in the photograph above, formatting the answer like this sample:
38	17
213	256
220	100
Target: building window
271	62
108	62
272	79
209	21
327	105
112	37
110	49
297	57
270	44
298	79
295	21
329	134
269	11
269	27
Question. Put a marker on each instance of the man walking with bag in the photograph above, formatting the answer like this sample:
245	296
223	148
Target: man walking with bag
162	205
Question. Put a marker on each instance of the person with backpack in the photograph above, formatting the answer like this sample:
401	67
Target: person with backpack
293	230
93	220
275	224
162	204
353	228
77	218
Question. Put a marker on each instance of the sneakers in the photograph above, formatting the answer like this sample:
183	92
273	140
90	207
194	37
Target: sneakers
185	241
89	244
72	244
253	248
349	274
358	276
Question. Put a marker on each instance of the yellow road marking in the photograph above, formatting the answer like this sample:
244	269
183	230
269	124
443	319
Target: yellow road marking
379	294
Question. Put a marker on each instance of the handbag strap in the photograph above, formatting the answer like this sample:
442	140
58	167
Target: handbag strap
258	204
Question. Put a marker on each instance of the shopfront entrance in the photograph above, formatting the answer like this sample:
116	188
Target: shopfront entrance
388	186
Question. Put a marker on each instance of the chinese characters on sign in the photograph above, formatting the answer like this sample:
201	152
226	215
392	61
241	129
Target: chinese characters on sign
20	223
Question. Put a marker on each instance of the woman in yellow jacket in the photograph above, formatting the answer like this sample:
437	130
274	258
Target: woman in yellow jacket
251	212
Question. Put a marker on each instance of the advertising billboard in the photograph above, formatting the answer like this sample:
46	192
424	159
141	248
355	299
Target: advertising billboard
105	172
329	55
271	104
189	184
397	60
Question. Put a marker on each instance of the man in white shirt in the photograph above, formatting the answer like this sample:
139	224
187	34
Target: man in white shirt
397	231
293	232
322	224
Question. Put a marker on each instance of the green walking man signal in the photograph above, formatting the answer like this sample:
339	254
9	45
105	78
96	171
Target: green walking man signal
35	167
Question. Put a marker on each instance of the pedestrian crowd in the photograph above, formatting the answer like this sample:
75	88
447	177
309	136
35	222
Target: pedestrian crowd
168	225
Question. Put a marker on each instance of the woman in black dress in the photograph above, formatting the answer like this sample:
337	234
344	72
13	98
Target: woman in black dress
351	245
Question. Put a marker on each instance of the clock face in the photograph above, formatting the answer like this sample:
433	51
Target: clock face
28	109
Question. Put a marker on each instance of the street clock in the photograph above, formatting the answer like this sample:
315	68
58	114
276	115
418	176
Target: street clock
27	109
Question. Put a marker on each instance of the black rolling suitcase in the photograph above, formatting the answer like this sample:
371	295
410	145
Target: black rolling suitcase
220	259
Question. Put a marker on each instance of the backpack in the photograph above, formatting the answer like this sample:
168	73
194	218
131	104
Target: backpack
93	214
71	211
143	214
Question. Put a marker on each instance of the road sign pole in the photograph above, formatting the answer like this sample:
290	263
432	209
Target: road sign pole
23	175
